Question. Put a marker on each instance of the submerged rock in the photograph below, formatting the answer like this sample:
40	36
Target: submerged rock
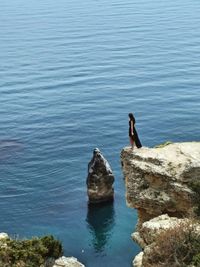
100	179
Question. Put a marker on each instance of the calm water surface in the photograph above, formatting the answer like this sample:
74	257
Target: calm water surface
70	72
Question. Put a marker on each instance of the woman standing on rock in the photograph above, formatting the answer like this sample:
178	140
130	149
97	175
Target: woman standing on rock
134	139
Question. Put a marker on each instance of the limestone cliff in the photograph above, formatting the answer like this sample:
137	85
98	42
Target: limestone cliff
159	181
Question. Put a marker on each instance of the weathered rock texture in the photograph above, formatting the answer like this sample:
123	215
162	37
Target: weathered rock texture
100	179
149	230
148	233
137	262
158	181
67	262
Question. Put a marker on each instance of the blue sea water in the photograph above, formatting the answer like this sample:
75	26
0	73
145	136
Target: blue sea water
70	72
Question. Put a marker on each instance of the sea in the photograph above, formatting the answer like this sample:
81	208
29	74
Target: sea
70	72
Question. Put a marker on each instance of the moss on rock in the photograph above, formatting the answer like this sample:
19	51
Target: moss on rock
164	144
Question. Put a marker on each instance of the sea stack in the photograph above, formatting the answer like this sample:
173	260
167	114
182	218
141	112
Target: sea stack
100	179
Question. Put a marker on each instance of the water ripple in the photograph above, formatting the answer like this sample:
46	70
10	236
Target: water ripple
71	71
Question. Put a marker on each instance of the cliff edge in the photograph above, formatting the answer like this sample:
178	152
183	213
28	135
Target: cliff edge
160	185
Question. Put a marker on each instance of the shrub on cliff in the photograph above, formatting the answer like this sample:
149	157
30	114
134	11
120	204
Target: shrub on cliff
29	253
177	247
195	186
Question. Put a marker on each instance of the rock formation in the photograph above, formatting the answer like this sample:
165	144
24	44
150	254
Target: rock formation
149	232
159	181
3	236
67	262
100	179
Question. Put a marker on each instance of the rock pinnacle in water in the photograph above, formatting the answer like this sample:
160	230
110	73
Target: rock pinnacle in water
100	179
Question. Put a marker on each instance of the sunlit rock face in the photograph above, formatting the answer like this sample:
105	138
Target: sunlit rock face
100	179
149	232
158	180
137	262
3	236
3	239
159	185
67	262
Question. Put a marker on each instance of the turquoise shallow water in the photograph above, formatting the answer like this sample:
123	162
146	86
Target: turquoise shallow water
70	72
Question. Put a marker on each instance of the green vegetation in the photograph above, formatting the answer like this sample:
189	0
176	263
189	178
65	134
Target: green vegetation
29	253
179	246
195	186
164	144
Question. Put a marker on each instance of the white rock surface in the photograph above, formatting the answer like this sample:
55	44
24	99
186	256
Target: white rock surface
161	222
158	179
149	230
67	262
3	236
137	262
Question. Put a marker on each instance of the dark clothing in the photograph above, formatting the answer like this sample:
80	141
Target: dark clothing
134	137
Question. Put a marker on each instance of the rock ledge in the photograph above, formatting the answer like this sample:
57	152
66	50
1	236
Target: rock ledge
158	184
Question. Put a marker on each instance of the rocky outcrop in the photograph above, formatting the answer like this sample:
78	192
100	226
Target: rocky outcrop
67	262
100	179
150	231
3	236
159	181
137	262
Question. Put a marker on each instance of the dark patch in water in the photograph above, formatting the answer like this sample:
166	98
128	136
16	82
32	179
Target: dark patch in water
9	148
100	219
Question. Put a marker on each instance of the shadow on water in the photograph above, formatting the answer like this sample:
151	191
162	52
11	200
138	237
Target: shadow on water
9	148
101	220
